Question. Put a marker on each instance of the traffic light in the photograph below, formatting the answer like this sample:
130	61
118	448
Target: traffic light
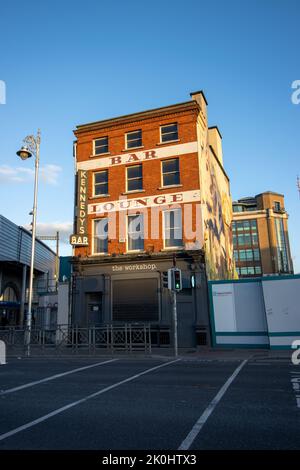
177	279
174	279
165	279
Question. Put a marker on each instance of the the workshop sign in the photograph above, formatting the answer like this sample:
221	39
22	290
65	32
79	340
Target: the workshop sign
81	236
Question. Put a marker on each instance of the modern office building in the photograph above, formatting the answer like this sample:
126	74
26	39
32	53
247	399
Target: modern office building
150	187
15	253
260	236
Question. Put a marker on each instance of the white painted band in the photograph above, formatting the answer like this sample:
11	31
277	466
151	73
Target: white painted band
82	400
53	377
136	157
186	444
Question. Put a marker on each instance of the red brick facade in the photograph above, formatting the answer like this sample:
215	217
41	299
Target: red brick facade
185	116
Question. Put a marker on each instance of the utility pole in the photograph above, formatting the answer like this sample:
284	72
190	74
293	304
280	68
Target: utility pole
175	313
31	148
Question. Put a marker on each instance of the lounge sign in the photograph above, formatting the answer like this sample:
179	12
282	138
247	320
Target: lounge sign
81	236
145	202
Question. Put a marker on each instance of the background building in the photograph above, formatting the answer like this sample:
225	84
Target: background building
260	236
154	176
15	252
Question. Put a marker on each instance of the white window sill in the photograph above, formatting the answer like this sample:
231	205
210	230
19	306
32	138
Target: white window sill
134	191
171	186
133	148
99	196
135	251
100	155
168	142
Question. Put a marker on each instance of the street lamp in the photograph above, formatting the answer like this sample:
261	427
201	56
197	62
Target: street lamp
31	147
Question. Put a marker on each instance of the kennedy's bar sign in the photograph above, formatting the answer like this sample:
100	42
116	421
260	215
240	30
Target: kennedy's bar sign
81	237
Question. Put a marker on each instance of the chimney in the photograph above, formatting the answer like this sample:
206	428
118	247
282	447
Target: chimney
199	97
215	140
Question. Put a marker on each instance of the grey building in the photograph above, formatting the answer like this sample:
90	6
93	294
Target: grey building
15	252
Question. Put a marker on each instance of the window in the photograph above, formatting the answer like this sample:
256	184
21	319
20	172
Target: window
236	255
170	172
254	239
101	183
257	270
101	146
254	225
134	139
247	239
169	132
100	240
134	178
277	206
173	228
256	254
237	208
9	295
135	232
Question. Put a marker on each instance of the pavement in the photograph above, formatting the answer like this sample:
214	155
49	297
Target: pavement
229	399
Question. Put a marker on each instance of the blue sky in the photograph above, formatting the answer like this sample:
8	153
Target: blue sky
66	63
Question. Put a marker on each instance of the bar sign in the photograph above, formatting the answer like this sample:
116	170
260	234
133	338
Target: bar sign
81	236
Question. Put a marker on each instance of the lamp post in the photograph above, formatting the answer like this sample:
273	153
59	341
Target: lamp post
31	147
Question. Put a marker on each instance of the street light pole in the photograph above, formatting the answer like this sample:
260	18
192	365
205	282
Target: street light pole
32	147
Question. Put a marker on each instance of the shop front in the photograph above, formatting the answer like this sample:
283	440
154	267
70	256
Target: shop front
132	291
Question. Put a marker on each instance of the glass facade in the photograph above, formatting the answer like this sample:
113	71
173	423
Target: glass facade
282	253
246	248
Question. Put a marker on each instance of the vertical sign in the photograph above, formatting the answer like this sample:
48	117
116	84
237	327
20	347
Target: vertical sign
81	236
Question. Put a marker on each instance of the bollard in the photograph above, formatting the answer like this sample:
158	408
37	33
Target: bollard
2	353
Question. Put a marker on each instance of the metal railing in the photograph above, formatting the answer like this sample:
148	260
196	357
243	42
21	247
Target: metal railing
127	337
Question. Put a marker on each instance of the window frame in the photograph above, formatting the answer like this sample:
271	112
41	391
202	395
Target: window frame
96	253
174	247
136	146
98	184
94	146
139	250
161	134
170	172
135	178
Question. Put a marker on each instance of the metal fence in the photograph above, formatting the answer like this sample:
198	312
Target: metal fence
126	337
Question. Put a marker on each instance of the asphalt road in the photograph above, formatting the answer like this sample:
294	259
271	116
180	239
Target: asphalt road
148	403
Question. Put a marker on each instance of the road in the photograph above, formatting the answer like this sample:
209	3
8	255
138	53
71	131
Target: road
148	403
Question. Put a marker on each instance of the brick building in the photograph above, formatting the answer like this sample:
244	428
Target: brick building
149	186
260	236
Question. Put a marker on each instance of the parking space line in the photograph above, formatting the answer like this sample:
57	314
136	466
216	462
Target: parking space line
187	442
53	377
82	400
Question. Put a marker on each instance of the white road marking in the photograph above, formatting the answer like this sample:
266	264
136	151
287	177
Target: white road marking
82	400
187	442
53	377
